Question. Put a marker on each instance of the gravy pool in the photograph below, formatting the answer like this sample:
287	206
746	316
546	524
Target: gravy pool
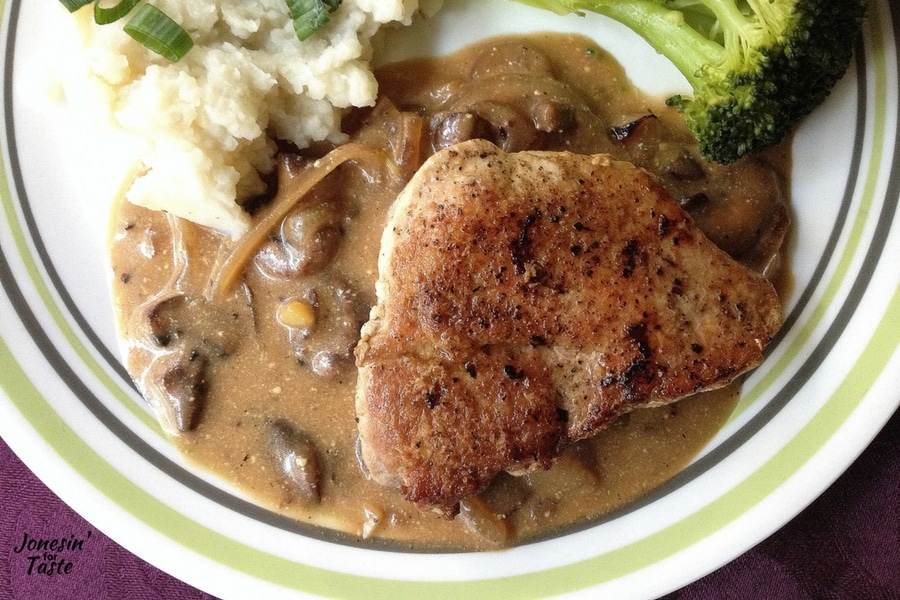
254	376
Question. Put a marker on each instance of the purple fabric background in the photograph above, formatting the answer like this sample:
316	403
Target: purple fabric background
845	545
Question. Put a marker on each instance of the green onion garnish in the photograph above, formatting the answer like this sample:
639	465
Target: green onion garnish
155	30
104	16
73	5
310	15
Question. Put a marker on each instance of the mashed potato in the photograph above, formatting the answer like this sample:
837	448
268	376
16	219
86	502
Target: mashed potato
204	126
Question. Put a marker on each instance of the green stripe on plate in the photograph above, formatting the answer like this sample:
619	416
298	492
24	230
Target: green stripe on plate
56	312
855	237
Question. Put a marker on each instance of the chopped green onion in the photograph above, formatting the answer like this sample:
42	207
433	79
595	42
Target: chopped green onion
104	16
73	5
310	15
157	31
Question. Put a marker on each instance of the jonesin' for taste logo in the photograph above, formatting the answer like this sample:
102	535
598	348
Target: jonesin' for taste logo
50	556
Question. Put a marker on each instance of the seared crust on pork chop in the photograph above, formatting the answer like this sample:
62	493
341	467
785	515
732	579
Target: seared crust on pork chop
525	301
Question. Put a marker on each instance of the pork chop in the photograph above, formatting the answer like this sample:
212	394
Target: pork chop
524	302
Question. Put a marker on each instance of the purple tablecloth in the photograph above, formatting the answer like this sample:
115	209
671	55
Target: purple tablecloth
845	545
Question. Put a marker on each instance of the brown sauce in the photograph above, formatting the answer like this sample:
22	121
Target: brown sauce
257	382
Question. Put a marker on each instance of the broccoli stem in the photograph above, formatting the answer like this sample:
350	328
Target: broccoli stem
667	32
663	28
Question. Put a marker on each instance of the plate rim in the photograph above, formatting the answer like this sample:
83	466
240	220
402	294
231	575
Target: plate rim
18	387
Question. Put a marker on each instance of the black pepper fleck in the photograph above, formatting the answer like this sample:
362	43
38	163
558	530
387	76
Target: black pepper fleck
512	372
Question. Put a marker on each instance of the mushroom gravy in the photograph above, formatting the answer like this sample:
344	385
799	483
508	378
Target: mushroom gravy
245	348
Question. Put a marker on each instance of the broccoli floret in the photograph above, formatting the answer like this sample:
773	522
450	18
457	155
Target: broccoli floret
756	66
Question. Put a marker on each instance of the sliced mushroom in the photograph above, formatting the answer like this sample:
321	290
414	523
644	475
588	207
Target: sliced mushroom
175	385
164	319
510	129
193	323
623	132
296	458
326	346
456	127
308	240
528	111
551	116
678	162
742	205
506	494
570	474
480	519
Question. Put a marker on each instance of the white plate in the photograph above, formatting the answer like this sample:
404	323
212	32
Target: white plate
831	380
